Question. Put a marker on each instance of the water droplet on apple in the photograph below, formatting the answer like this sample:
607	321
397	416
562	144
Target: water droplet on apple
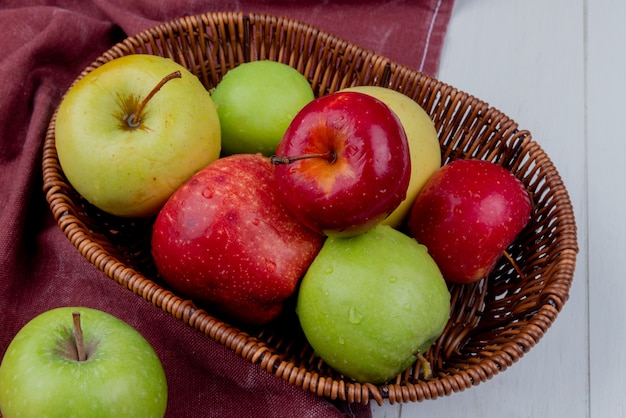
393	279
256	222
341	340
270	265
207	193
329	270
354	316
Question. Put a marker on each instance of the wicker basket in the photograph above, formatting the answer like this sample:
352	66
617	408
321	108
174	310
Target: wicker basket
493	322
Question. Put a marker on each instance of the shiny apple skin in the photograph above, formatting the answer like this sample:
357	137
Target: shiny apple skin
467	214
225	239
131	171
367	179
423	145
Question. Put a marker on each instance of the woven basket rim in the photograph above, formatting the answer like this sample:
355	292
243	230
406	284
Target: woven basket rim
250	347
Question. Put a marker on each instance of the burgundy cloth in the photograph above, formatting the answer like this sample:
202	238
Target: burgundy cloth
43	47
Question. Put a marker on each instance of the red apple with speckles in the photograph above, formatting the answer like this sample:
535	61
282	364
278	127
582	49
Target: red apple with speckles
467	214
224	238
343	164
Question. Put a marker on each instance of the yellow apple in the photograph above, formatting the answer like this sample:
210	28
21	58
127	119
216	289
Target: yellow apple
424	146
130	132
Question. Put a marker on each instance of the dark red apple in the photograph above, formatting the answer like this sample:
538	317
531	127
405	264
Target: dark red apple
226	239
343	164
467	214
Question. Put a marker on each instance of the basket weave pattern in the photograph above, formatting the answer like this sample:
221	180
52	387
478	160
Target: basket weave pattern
493	322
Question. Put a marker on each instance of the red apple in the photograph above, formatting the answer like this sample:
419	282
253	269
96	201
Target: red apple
343	164
467	214
226	239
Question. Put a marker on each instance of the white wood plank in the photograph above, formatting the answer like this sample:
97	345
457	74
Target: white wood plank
386	410
606	90
527	59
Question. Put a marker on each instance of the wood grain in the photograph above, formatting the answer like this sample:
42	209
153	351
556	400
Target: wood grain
543	63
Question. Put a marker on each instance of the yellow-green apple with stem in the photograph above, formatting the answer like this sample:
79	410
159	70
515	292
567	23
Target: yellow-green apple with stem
423	144
372	304
467	214
131	131
256	101
77	361
226	240
343	164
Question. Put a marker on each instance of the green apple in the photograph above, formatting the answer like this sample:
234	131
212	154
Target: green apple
424	145
134	129
369	305
76	361
255	102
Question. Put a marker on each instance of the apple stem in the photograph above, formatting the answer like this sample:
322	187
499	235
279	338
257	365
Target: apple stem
134	120
330	156
514	264
78	337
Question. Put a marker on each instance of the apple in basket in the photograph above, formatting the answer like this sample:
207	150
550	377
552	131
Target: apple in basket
256	101
134	129
76	361
343	164
224	238
423	144
370	305
467	214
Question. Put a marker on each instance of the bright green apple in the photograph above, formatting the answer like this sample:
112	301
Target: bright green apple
118	375
424	145
369	304
133	130
256	101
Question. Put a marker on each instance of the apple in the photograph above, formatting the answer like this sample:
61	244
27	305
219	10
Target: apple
255	102
225	238
467	214
77	361
134	129
371	304
343	164
423	140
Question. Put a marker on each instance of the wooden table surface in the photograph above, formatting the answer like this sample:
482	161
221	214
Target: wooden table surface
558	68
